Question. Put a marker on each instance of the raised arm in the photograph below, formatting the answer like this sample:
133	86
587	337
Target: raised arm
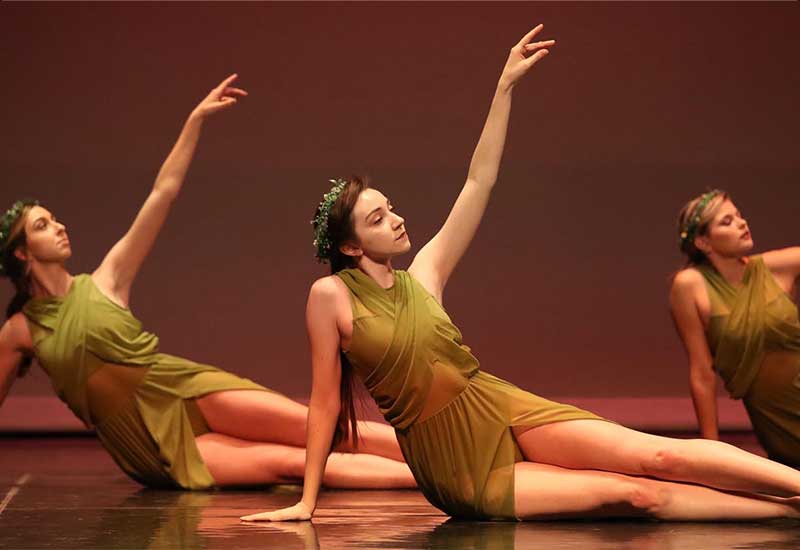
435	262
323	409
117	271
702	378
785	265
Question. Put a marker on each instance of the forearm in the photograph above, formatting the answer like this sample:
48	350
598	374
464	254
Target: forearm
173	172
704	398
488	153
321	425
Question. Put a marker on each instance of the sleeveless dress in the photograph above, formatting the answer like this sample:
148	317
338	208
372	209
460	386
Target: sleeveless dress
754	337
453	421
111	375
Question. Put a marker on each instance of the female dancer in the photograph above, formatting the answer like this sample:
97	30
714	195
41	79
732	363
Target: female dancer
478	446
166	421
736	316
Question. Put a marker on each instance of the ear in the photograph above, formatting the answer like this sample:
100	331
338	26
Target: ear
702	244
21	254
349	249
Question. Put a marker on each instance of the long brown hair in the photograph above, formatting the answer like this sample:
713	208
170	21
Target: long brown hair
340	231
16	270
695	256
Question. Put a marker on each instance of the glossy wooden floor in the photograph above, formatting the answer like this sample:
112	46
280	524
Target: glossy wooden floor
65	492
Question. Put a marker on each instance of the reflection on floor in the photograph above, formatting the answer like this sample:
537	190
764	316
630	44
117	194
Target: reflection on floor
67	493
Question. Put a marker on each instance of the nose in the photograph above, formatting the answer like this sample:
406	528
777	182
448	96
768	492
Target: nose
398	220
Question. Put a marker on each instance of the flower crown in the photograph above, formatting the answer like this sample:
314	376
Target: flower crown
8	220
320	222
693	222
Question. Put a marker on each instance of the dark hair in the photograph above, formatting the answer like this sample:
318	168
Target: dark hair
694	255
15	270
340	231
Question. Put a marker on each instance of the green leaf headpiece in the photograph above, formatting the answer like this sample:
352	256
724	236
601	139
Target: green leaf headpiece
322	240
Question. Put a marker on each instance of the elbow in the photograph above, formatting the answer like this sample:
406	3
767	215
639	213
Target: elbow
481	181
703	381
165	191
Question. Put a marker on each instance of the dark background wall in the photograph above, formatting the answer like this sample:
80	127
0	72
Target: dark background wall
639	108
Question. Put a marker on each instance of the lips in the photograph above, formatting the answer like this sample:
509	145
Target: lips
403	234
746	235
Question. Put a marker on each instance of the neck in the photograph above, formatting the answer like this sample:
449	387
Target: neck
49	280
382	272
732	269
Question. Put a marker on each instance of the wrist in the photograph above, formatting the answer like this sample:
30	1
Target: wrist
504	85
196	117
309	507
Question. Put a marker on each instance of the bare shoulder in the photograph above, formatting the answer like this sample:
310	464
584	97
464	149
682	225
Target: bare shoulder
687	281
330	295
783	260
16	334
328	289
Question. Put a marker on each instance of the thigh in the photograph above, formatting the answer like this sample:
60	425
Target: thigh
543	491
592	444
232	461
255	416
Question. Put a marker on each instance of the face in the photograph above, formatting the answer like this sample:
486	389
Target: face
46	238
728	234
380	231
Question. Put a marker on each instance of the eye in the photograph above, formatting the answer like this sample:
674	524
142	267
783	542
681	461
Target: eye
377	220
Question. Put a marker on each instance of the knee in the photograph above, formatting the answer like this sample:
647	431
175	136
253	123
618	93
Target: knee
647	497
668	462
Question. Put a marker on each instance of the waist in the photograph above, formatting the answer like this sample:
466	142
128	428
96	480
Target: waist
110	387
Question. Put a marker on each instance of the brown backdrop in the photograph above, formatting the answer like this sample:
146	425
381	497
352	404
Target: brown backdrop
639	107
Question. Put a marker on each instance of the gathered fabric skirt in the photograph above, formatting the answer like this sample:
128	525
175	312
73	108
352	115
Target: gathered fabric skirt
773	404
463	455
147	418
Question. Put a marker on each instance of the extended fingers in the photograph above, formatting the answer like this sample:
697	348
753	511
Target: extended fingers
536	45
263	516
234	91
528	37
530	61
225	83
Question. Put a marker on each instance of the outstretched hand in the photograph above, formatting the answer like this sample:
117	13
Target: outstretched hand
524	55
220	98
298	512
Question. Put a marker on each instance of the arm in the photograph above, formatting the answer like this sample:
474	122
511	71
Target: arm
12	349
702	378
785	265
117	271
323	409
435	262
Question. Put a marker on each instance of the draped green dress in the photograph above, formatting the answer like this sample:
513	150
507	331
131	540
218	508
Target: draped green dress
453	421
754	337
110	373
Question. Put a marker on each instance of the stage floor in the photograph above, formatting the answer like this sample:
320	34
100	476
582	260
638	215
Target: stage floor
65	492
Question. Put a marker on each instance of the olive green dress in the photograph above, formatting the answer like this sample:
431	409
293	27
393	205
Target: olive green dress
453	421
110	374
754	336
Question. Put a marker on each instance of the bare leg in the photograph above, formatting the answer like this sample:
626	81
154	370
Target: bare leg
233	461
542	491
271	417
599	445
